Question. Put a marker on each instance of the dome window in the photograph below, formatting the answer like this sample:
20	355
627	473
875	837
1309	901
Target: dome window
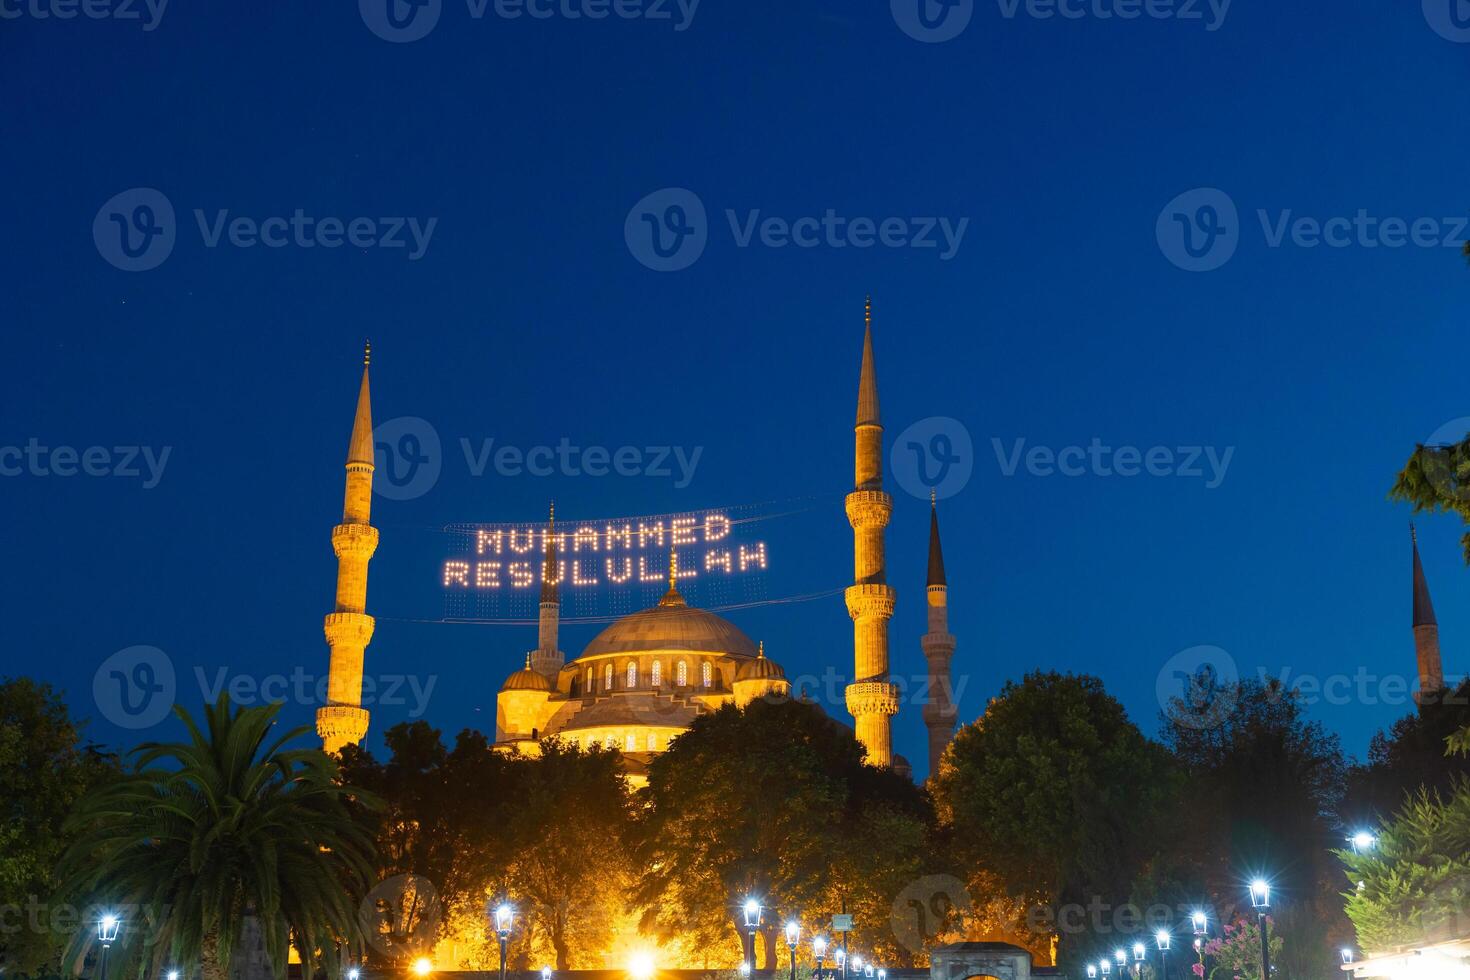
632	674
681	674
706	674
657	673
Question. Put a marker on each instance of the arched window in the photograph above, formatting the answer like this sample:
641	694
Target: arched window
657	673
632	674
681	674
589	680
631	742
706	674
652	742
607	677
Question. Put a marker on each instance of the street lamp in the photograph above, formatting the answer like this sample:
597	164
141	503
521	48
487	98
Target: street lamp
868	970
504	916
793	933
546	973
752	923
1121	958
841	955
1362	842
422	966
1347	956
745	968
1106	966
819	950
1199	922
1139	952
1261	901
107	929
1162	940
352	974
173	975
1092	971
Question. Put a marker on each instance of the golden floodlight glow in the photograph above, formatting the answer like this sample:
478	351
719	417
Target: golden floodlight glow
422	966
640	966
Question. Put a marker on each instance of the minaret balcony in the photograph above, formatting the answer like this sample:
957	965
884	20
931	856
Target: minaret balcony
872	599
348	629
354	540
869	508
872	698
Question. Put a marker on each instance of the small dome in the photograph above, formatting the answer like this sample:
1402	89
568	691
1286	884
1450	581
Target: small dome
762	668
526	679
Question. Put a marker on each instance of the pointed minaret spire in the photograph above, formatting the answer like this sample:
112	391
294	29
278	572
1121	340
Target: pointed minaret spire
349	628
871	698
867	407
360	448
1426	633
938	645
547	659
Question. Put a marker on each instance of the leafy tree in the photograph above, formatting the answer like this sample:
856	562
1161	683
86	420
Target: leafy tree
1057	794
1410	755
772	801
1415	881
44	771
231	830
1264	790
1436	479
569	873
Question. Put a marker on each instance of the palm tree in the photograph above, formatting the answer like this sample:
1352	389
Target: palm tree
226	831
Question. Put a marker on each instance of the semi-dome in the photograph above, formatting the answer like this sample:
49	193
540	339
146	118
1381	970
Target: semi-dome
526	679
762	668
671	625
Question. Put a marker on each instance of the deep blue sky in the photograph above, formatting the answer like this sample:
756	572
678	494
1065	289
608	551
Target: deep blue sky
527	319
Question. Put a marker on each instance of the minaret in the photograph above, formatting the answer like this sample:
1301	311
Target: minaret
546	658
1426	633
350	628
938	644
871	698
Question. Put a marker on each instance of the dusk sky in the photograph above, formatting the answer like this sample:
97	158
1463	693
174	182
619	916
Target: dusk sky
1040	206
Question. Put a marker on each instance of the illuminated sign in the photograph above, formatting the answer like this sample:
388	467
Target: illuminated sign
612	554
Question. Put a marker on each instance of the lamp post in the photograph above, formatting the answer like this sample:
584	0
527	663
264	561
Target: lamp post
546	973
868	971
1121	959
1091	971
352	974
1105	965
744	968
107	929
752	910
1163	939
1347	956
1261	901
793	933
504	916
819	950
841	955
1139	952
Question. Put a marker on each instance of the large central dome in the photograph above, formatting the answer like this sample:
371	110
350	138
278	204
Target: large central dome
671	625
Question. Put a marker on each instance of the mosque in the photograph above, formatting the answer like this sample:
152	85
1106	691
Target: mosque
646	677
